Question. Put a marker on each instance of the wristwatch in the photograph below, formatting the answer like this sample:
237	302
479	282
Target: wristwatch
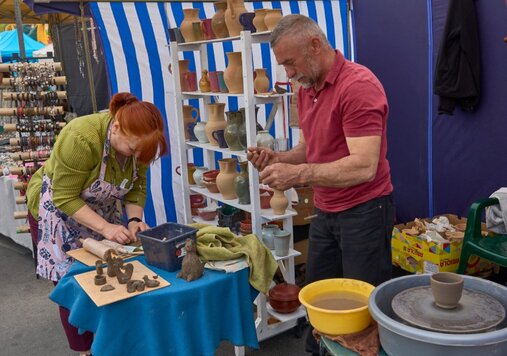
135	218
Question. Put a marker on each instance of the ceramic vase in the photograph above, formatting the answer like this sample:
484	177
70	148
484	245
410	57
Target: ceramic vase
234	9
235	131
279	202
258	126
200	132
233	74
198	176
264	139
268	235
204	84
261	82
282	243
258	20
242	184
216	121
190	115
183	66
187	30
218	20
272	17
226	177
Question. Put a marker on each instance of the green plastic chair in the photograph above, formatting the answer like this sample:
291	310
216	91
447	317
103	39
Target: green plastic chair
491	248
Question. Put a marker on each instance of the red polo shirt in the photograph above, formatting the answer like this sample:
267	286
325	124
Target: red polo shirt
352	103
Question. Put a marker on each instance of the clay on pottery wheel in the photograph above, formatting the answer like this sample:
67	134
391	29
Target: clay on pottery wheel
150	283
191	267
100	280
107	288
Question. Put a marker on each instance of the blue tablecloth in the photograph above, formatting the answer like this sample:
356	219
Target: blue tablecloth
186	318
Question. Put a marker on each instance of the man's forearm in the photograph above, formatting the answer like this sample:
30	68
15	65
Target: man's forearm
296	155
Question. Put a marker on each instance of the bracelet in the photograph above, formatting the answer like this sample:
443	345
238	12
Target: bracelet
136	219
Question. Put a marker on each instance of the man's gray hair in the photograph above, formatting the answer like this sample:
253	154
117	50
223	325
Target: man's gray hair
297	26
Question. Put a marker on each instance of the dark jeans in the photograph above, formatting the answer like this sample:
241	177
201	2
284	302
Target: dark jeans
77	342
355	243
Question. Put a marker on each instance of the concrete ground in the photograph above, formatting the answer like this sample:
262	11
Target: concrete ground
30	324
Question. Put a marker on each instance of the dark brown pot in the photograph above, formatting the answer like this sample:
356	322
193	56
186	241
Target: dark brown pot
284	297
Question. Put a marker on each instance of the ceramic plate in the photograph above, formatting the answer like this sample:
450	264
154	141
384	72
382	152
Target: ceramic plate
475	312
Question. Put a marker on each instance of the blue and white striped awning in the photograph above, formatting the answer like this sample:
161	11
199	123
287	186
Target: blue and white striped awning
134	37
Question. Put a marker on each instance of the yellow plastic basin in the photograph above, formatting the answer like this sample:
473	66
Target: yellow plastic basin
337	322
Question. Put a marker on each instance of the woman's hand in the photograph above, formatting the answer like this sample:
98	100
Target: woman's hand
137	226
118	233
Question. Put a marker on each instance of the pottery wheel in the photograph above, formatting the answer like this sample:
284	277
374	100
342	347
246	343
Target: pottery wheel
475	312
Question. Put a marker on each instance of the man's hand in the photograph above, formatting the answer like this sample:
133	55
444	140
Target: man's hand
117	233
261	157
281	176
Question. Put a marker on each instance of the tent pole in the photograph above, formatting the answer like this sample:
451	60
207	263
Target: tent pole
89	69
19	28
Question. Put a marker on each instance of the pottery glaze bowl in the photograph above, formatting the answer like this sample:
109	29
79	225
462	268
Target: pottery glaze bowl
337	321
284	297
207	213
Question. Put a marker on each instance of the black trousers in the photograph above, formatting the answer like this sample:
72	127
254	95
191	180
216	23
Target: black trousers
355	243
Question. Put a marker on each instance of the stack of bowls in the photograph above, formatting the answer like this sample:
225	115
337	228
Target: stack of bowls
209	179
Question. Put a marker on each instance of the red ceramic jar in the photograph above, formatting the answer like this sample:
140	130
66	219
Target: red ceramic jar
284	297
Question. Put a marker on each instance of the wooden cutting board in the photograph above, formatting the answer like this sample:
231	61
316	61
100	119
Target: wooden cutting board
86	281
89	258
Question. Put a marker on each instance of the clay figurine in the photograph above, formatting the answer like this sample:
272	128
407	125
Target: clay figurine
150	283
107	288
98	267
100	279
124	273
135	285
192	268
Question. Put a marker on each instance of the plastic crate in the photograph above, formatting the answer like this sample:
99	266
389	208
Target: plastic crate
164	245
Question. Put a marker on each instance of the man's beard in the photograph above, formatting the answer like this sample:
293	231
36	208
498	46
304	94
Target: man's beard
311	78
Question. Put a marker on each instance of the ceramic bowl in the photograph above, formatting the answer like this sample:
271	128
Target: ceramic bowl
284	297
265	196
246	225
210	175
207	213
212	187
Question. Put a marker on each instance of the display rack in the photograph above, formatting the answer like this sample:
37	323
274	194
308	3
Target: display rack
258	215
34	92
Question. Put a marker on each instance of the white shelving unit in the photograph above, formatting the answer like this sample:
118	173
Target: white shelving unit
259	216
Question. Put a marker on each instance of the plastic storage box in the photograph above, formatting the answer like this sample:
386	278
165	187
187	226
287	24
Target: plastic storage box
164	245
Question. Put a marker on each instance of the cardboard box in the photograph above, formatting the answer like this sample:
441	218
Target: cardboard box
414	254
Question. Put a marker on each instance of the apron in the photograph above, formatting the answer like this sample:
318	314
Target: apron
59	233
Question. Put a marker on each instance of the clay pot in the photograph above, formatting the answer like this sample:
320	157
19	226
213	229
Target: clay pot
242	184
218	20
226	177
279	202
284	297
187	30
447	288
200	132
261	82
272	17
235	131
183	66
210	176
190	115
258	20
204	84
216	121
234	9
264	139
233	74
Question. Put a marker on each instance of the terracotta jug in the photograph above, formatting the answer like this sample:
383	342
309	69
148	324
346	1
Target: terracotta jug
235	131
242	184
234	9
190	115
204	84
258	20
261	82
226	177
272	17
218	20
216	121
200	132
183	65
186	27
279	202
233	74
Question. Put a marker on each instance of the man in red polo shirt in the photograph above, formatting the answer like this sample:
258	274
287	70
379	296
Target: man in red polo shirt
342	153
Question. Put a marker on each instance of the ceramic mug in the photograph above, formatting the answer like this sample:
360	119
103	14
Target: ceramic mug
447	288
196	27
221	82
175	35
219	136
207	29
213	81
246	19
190	81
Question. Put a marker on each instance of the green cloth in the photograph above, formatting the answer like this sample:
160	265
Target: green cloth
220	244
74	165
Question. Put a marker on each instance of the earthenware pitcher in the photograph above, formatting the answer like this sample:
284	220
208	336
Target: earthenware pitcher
233	74
198	176
183	66
204	83
235	131
234	9
279	202
261	82
200	132
258	20
226	177
187	30
272	17
242	184
216	121
218	20
190	115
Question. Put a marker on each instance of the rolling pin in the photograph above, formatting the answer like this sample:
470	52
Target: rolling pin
20	214
95	247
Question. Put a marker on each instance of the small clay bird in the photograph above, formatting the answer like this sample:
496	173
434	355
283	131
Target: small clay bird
191	268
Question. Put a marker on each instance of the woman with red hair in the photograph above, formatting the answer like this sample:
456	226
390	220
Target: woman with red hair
98	161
